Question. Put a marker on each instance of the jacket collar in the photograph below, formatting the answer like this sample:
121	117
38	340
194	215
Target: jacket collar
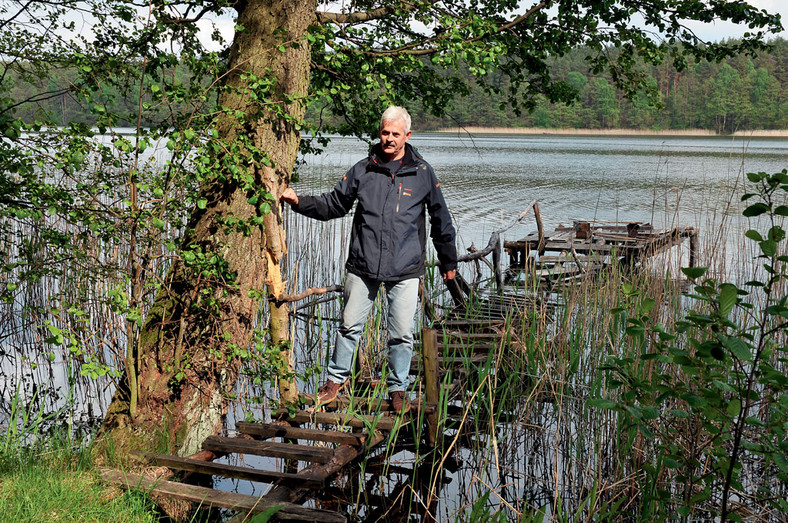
409	161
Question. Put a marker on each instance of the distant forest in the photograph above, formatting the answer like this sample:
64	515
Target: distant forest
740	93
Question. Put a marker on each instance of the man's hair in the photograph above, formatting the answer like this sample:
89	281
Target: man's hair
394	114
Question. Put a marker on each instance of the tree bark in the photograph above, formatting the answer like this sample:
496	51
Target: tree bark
188	362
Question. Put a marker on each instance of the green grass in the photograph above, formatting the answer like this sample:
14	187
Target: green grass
59	483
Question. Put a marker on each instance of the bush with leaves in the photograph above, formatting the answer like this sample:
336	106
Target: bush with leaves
703	405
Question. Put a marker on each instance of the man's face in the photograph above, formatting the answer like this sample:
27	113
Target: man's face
393	138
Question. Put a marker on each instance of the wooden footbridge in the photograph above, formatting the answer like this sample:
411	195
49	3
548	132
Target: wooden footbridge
308	448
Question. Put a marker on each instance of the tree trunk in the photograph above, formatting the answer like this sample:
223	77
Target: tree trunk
206	315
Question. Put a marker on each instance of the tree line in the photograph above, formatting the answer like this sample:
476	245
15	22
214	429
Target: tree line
735	94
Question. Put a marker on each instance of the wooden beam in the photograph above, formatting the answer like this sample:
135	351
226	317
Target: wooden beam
273	449
269	430
338	419
229	471
217	498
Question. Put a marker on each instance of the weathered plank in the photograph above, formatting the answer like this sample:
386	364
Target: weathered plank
269	430
217	498
340	419
230	471
268	448
444	362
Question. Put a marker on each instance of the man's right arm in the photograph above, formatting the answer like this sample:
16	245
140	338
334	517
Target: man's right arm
327	206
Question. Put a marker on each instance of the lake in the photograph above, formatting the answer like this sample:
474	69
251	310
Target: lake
489	179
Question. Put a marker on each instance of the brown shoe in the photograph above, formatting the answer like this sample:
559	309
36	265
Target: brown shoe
328	392
400	401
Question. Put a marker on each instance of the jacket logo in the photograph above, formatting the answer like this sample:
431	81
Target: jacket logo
407	192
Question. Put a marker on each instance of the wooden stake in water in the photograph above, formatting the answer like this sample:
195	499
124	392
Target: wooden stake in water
429	357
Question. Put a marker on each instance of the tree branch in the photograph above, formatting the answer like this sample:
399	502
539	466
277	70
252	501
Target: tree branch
326	17
411	48
309	292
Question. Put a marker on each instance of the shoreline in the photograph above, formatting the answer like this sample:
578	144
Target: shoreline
776	133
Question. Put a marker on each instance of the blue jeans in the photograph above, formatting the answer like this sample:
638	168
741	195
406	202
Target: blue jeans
360	294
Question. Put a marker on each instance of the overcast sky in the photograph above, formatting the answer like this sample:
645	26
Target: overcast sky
722	30
708	32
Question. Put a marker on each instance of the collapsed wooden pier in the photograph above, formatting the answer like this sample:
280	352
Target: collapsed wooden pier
308	448
589	246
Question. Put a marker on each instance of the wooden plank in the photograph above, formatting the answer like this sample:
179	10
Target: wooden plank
455	361
270	430
229	471
268	448
473	322
216	498
357	404
340	419
472	346
473	336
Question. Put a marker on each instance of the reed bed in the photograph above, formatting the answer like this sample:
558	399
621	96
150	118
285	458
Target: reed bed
521	440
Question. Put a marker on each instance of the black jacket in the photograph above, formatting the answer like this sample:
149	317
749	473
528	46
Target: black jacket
388	240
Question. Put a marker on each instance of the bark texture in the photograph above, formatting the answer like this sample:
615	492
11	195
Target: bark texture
186	367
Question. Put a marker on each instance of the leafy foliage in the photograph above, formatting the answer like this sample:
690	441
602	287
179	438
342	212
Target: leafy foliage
93	218
705	397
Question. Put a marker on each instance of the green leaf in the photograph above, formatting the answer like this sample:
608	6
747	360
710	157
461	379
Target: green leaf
727	298
650	412
781	210
780	460
648	305
734	408
756	177
602	403
755	209
768	248
694	273
202	203
737	346
754	235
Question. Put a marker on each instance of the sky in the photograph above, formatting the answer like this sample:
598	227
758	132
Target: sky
722	30
708	32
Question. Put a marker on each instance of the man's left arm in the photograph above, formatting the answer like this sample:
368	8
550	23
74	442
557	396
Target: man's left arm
442	230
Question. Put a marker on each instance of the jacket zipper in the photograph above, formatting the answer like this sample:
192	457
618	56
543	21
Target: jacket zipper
399	196
380	246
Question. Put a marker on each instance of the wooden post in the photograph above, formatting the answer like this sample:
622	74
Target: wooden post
693	248
429	358
539	228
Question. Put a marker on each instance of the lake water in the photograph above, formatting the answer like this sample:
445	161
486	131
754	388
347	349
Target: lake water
489	179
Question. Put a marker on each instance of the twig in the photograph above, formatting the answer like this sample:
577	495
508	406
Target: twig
288	298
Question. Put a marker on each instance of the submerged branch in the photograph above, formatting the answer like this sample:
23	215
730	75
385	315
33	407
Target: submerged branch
495	236
312	291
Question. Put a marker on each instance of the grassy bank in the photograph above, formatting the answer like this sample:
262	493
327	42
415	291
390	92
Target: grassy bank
610	132
57	482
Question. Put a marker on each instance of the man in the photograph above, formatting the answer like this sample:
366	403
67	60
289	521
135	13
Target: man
394	188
